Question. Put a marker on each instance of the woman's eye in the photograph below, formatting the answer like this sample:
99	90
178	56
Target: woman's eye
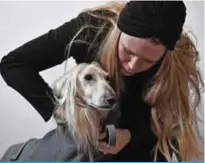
128	53
88	77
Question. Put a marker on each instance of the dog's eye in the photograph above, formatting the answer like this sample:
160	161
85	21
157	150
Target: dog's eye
88	77
107	78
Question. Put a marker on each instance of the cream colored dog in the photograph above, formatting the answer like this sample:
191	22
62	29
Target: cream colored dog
85	104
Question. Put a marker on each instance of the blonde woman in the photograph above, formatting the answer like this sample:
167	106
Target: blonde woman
153	64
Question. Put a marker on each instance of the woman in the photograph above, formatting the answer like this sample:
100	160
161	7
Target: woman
153	65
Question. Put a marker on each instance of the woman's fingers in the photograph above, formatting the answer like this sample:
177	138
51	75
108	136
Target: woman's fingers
103	147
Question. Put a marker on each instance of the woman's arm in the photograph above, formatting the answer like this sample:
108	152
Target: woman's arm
20	68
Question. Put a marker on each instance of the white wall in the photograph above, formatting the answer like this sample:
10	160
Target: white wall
22	21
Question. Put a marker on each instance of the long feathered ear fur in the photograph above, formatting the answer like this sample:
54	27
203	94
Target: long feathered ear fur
64	89
82	124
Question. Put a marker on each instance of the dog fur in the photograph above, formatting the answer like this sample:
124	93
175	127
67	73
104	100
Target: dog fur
85	103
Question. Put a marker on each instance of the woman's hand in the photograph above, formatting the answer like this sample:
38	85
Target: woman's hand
122	139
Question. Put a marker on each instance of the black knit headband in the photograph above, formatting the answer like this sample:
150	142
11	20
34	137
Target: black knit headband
161	19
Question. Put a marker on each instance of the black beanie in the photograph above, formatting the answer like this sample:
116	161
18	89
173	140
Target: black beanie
161	19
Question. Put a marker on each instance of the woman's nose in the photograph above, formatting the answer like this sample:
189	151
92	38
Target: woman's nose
132	63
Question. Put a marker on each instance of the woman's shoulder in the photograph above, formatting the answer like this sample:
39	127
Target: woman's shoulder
93	26
96	17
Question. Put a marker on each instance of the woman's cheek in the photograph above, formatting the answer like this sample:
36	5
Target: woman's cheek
123	57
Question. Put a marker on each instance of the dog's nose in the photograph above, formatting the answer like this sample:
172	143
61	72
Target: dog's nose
111	101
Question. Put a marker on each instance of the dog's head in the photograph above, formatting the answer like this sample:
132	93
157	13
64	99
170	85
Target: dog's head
89	85
94	88
85	97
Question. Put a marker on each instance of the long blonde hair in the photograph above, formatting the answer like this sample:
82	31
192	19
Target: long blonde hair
175	91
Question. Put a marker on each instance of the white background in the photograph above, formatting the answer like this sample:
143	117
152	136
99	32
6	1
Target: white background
23	21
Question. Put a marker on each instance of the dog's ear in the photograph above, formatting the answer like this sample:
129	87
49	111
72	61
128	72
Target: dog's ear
96	63
65	86
60	87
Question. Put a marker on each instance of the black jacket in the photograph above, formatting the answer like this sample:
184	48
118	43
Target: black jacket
20	70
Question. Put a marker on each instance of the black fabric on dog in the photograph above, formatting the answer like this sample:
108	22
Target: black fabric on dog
161	19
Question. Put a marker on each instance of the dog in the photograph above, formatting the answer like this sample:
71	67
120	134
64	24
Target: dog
85	104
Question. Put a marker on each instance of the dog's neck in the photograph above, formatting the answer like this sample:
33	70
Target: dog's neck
81	102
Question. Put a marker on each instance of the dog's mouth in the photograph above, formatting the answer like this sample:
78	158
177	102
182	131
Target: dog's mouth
102	107
81	102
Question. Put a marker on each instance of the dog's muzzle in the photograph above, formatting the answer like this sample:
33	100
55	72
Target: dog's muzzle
110	129
111	104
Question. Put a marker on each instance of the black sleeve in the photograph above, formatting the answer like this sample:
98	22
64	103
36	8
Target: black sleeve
20	68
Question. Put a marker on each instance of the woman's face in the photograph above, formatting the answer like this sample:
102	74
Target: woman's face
138	54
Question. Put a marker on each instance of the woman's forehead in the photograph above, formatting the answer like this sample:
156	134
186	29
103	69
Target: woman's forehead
143	42
142	46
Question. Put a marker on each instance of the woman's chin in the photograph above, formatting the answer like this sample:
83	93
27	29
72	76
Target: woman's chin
126	73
